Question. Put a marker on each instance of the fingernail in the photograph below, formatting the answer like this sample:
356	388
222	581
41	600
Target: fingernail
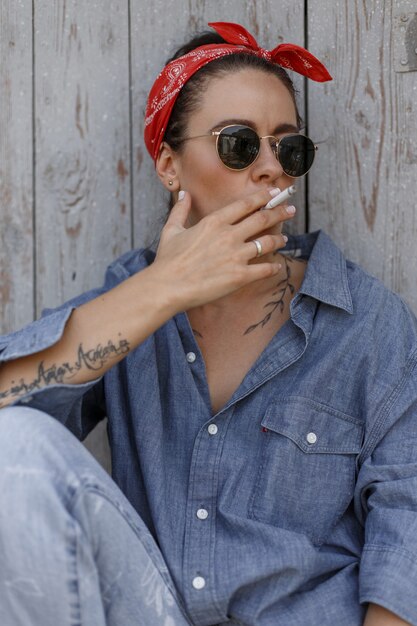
181	195
274	192
285	238
290	210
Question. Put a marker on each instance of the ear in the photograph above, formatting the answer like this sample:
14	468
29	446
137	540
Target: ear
166	166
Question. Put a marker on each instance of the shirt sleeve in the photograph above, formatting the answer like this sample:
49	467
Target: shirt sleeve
79	407
386	502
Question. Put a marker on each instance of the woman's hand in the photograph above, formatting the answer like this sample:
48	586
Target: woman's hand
193	266
213	258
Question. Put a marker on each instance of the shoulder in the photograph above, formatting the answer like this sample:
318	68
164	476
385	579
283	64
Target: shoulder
385	331
128	264
371	302
380	325
379	306
351	293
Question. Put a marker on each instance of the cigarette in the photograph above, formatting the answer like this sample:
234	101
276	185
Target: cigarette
281	197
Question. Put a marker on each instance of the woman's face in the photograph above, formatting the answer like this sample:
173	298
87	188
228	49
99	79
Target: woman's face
250	97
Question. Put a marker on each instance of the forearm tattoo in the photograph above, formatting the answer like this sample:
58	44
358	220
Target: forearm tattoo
93	359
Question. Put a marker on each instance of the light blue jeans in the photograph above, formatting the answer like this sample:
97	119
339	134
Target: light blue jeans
73	551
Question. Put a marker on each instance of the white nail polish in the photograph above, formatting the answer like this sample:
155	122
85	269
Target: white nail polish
181	195
274	192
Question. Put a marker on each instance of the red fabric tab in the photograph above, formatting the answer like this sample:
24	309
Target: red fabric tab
300	60
234	33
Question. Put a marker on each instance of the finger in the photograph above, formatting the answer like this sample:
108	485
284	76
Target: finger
258	271
263	220
181	210
236	211
266	245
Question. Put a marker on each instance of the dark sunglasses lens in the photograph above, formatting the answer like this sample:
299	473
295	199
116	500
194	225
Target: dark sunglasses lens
237	146
296	154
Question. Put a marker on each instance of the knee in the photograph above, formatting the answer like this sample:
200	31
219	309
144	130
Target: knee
21	430
41	462
30	437
28	462
14	419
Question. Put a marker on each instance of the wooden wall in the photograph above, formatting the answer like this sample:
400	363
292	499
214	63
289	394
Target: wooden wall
77	187
365	191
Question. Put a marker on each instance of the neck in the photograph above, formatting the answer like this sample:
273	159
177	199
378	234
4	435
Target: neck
246	297
256	304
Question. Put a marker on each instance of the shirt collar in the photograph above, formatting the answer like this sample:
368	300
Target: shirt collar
326	274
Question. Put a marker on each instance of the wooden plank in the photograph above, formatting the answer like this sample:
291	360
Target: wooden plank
82	144
83	208
16	159
364	188
170	24
97	443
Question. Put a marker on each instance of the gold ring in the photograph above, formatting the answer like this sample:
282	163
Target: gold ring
258	247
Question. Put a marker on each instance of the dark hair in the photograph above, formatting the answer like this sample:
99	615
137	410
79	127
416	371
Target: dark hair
189	96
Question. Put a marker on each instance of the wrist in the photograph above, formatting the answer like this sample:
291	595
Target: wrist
163	291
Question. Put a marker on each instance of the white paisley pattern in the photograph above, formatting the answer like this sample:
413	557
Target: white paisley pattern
175	77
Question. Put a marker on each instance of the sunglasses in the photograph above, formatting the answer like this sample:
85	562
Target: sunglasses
239	146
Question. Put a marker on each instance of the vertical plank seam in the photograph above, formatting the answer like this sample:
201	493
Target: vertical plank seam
130	104
306	109
34	234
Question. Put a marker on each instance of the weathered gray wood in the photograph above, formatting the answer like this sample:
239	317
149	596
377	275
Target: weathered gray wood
97	443
82	143
16	148
82	148
156	32
364	189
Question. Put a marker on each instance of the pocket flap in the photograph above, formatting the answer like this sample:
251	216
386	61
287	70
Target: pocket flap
314	427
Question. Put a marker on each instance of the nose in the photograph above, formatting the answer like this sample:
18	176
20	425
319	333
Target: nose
266	167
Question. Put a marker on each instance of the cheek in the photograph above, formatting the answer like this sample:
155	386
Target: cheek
197	167
210	184
286	181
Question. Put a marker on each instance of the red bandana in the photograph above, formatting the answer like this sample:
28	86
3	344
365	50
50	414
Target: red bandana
173	77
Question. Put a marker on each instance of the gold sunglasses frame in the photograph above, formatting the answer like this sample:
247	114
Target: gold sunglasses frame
217	133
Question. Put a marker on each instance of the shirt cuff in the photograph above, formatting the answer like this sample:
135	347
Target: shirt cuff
35	337
388	577
69	404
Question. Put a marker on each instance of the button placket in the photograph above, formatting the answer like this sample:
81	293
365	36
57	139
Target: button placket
200	526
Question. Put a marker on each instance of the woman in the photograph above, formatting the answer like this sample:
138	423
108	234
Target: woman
264	441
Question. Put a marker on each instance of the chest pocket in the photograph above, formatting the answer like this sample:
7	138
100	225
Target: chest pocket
306	474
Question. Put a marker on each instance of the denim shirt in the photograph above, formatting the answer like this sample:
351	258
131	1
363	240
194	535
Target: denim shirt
296	503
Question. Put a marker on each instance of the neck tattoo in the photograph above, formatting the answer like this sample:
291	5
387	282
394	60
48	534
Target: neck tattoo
276	303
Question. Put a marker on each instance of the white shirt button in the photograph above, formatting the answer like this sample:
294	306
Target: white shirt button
212	428
191	357
202	514
199	582
311	437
